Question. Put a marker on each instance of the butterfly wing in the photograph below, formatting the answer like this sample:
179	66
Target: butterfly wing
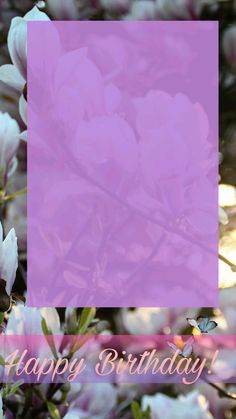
173	347
187	351
193	323
202	323
211	325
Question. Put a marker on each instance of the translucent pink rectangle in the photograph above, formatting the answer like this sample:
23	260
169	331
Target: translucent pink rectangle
123	164
118	359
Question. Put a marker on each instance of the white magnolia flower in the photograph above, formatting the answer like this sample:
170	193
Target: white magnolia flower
176	9
144	320
182	9
62	9
193	405
11	79
143	10
229	45
1	411
14	75
27	321
17	38
8	258
69	416
9	141
93	401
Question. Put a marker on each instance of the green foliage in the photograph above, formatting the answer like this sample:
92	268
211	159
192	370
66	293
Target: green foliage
87	316
49	337
138	413
53	410
10	389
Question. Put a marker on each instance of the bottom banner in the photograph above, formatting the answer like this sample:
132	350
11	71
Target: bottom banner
118	359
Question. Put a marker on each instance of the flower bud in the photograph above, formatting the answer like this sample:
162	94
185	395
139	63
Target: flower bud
9	141
229	45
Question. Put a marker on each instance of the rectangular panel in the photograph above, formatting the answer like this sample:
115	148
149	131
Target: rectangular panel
123	154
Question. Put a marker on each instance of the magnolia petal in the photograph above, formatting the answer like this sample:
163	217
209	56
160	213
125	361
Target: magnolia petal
17	44
24	321
12	167
9	142
24	135
72	415
9	260
36	14
1	409
23	109
17	39
10	76
52	319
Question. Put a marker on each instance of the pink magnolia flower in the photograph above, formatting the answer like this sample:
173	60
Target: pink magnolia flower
176	124
144	320
182	9
62	9
95	401
218	405
112	153
8	258
193	405
154	320
229	45
9	141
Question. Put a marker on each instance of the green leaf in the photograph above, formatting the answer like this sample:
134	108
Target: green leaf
87	316
2	361
138	413
45	328
136	410
53	410
49	337
13	388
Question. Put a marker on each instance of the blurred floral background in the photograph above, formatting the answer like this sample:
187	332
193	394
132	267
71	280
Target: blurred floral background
106	400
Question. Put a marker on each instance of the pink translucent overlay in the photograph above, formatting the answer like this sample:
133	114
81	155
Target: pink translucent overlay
123	150
118	359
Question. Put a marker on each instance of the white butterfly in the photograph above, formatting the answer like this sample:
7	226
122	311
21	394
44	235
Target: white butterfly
203	324
185	351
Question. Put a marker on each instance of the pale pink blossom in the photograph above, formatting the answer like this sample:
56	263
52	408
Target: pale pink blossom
94	401
27	321
182	9
8	258
193	405
9	142
143	10
63	10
